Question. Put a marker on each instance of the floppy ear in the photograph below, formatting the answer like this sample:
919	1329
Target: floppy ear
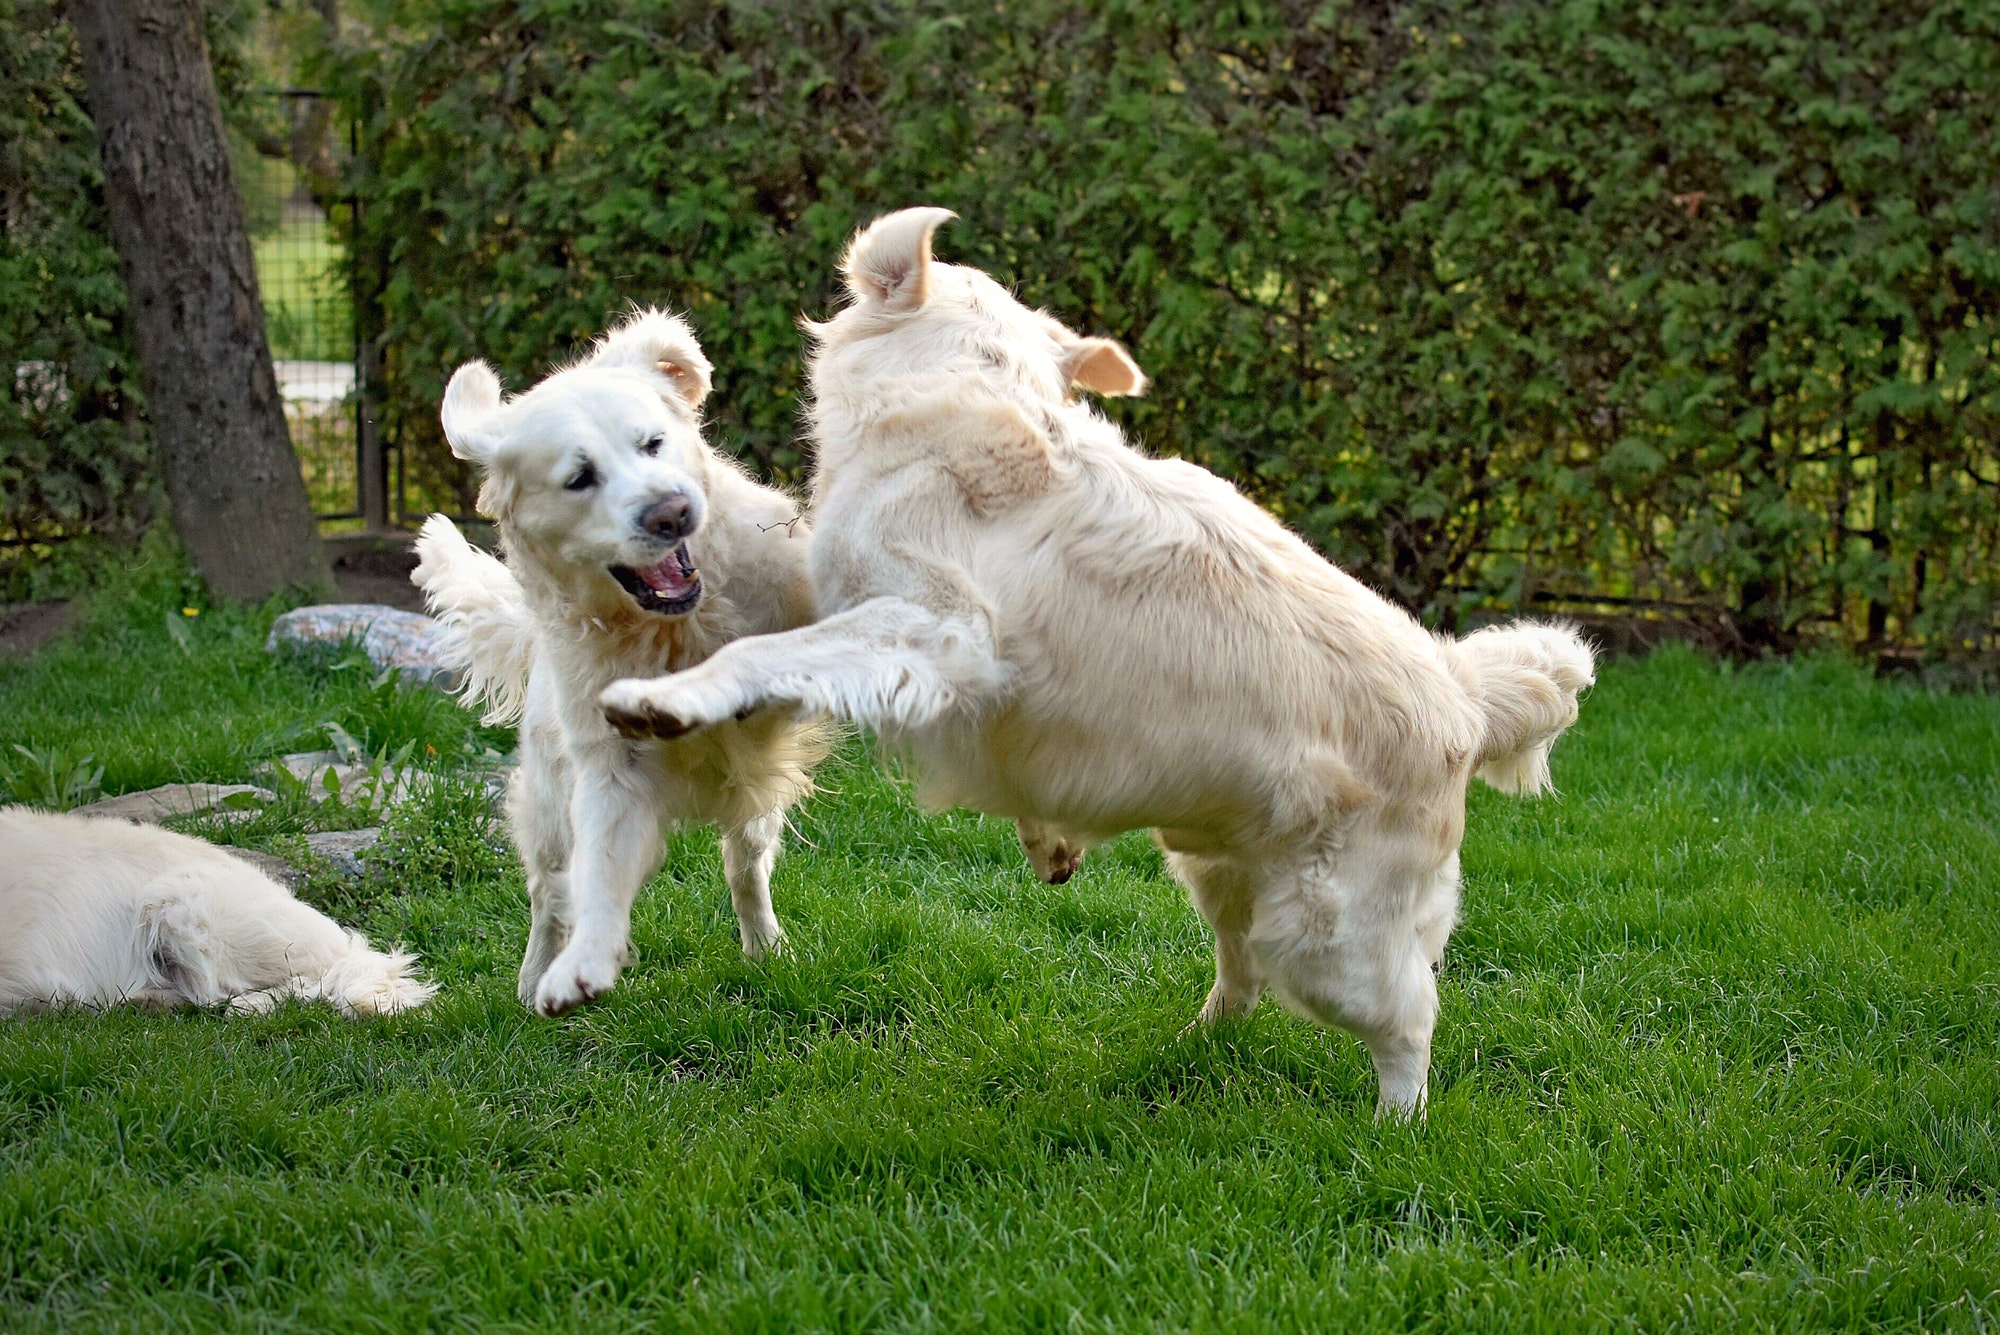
470	401
889	260
655	341
1102	366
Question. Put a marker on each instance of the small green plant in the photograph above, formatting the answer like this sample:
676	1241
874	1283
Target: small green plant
55	777
444	836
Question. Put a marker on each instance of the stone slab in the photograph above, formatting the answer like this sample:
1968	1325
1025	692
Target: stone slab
391	638
174	799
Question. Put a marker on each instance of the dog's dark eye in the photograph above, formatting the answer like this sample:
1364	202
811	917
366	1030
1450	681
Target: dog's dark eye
652	446
583	479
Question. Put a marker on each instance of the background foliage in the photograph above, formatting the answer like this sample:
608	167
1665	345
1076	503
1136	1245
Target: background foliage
74	454
1687	304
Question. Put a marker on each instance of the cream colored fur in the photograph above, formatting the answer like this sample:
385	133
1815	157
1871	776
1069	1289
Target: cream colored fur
98	912
1061	630
540	635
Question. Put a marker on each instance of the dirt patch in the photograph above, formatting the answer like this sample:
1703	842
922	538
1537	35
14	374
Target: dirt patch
26	627
376	570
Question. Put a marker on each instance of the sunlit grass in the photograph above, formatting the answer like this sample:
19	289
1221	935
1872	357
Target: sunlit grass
1718	1051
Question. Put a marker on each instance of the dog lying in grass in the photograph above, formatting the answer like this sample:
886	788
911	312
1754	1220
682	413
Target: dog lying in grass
631	547
99	913
1061	630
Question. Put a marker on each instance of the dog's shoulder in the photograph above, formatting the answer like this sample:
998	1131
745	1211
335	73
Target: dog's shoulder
989	448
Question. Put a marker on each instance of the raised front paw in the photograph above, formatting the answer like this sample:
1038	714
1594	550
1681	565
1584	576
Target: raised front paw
640	708
573	979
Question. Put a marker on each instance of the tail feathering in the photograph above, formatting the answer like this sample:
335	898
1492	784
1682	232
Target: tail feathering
489	635
1526	677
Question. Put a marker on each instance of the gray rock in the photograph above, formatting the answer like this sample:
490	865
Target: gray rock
175	799
358	781
273	866
390	638
345	849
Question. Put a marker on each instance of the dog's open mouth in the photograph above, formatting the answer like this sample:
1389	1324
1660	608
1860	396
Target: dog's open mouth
671	588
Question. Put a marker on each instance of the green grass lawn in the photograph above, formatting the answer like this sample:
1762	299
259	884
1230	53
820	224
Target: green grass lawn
1718	1050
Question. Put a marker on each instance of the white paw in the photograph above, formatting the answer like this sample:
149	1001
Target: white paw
574	978
1222	1006
392	997
761	941
254	1003
662	706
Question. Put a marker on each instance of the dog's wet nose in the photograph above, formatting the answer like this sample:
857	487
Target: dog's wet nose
670	518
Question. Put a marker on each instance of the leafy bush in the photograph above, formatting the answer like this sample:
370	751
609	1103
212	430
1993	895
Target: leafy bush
75	459
1500	304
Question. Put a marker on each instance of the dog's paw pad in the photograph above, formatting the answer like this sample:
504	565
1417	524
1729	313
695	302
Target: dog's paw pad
1063	864
632	714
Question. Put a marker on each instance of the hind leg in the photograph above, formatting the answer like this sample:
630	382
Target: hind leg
748	855
1340	936
1223	890
1439	913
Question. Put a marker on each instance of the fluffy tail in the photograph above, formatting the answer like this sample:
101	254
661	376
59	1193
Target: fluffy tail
490	637
367	981
359	980
1526	678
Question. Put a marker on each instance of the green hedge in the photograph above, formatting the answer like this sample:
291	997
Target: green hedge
78	485
1688	304
75	459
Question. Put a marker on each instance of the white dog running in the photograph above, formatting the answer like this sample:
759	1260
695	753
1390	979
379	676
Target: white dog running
1061	630
631	547
99	912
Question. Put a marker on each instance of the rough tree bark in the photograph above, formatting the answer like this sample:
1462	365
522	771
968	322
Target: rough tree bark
239	502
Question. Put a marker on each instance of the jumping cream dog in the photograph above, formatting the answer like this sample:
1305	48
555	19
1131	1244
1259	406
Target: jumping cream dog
97	912
632	547
1066	632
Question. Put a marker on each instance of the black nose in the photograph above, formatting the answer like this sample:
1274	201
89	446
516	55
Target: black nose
670	518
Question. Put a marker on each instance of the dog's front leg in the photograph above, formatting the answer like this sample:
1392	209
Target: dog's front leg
887	664
614	819
538	803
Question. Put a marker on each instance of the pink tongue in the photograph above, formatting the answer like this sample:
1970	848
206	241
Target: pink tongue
666	577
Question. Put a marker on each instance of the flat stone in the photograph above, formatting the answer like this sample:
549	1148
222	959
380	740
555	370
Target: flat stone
175	799
391	638
345	849
273	866
312	767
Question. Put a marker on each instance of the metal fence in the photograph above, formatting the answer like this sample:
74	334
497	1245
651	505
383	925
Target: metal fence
290	166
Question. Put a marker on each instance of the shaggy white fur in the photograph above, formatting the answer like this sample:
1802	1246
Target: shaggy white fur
1063	631
99	912
631	547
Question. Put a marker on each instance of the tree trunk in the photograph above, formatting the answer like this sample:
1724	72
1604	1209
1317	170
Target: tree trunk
184	249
